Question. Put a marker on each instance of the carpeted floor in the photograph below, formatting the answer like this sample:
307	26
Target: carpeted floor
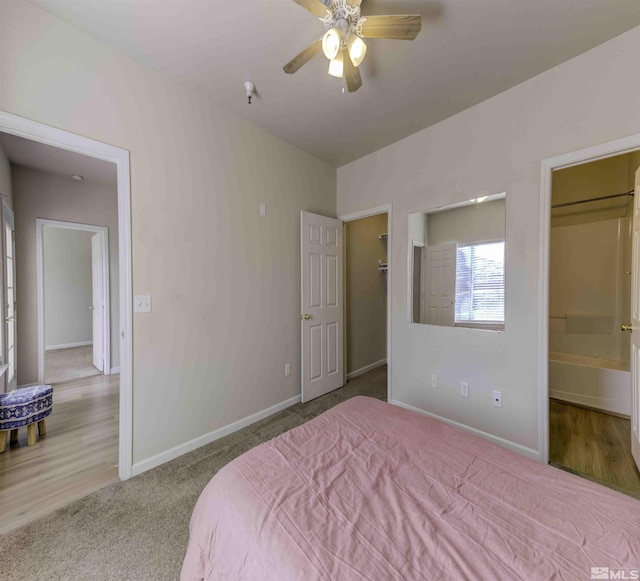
138	529
66	364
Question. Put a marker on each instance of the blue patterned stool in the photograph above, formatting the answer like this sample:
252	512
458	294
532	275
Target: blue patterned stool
24	407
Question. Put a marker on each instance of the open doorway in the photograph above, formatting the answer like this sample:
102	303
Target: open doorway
367	265
589	311
74	311
37	182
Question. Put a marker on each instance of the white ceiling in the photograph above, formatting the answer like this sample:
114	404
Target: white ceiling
467	51
57	161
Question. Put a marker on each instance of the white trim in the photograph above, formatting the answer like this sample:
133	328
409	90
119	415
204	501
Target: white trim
106	339
68	346
548	166
366	368
175	452
35	131
115	370
388	210
520	449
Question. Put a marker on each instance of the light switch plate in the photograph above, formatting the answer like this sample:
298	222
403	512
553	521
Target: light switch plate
142	304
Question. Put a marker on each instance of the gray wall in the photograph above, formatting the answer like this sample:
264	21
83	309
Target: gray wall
225	282
496	146
43	195
366	292
67	287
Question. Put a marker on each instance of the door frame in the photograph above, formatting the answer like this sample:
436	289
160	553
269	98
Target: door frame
384	209
48	135
103	231
601	151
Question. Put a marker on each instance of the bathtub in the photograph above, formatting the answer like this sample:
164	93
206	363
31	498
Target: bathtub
603	384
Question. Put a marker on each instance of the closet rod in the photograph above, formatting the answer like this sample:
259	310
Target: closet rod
592	200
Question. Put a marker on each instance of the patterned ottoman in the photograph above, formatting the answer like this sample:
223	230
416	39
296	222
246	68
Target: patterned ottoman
24	407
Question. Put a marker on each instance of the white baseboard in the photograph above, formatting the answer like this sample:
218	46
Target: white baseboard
115	370
529	452
366	368
605	404
147	464
68	345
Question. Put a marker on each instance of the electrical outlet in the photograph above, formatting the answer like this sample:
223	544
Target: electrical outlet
464	389
142	304
263	209
497	398
434	381
287	370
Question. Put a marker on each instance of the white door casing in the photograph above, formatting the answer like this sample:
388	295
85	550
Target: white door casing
33	130
97	301
635	324
440	271
322	332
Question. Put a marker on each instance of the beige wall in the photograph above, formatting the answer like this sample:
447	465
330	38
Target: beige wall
496	146
604	177
476	223
225	282
42	195
366	292
634	165
67	287
5	178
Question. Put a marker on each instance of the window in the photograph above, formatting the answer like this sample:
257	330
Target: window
480	283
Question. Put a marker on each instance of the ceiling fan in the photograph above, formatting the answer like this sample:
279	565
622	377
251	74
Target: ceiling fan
342	43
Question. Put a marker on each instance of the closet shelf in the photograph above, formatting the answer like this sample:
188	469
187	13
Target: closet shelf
383	236
382	267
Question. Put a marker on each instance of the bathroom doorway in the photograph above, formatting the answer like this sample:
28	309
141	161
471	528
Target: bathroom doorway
590	256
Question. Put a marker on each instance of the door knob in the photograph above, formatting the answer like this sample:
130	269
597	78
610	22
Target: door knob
9	319
91	307
629	328
305	317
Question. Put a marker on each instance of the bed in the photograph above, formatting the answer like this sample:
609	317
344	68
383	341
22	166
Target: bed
371	491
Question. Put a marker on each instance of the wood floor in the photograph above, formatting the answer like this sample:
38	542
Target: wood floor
78	455
594	444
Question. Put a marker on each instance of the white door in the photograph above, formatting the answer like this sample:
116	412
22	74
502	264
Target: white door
635	324
97	300
322	308
10	309
440	271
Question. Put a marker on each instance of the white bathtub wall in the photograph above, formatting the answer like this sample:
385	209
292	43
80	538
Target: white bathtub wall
595	386
589	290
586	289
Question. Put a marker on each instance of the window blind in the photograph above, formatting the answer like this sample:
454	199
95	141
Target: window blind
480	282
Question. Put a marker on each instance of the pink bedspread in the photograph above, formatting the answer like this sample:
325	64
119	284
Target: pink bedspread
371	491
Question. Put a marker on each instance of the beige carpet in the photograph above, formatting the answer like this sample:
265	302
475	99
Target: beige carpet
66	364
138	529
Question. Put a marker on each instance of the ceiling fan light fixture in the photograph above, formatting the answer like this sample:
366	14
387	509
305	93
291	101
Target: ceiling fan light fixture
336	66
357	49
331	42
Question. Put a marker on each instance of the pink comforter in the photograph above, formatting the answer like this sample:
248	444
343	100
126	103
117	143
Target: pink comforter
371	491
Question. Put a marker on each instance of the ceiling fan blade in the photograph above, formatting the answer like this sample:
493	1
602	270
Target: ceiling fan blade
303	57
399	26
316	7
351	74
